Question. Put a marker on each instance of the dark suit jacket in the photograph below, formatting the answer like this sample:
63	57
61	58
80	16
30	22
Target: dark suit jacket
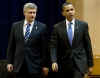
33	52
79	54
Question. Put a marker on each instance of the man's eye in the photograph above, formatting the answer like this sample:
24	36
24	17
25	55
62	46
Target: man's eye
30	12
34	12
71	9
67	10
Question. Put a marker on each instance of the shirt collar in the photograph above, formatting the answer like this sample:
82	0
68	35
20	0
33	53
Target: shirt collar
25	23
73	21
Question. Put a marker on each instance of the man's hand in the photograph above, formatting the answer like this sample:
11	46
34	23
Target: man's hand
45	71
54	67
10	67
90	70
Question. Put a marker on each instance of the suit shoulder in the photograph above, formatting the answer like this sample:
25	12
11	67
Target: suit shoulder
59	24
82	22
18	22
41	24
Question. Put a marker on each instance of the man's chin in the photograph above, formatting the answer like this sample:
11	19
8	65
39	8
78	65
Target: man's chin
31	20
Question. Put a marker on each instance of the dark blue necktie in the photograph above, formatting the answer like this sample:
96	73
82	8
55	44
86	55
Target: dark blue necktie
70	34
27	33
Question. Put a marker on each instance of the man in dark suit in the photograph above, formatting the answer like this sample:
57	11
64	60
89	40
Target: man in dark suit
27	46
70	46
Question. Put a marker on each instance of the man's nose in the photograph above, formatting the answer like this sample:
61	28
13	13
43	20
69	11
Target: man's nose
70	11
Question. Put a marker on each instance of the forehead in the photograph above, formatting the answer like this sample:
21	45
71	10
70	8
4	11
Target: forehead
70	6
30	10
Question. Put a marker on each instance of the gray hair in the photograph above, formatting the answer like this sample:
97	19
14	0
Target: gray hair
30	6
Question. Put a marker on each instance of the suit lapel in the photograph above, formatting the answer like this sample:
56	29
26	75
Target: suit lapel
21	30
34	30
75	31
64	34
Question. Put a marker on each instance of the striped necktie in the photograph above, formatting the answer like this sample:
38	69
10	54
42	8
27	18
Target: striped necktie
27	33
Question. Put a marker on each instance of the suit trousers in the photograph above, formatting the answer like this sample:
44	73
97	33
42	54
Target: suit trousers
74	74
23	73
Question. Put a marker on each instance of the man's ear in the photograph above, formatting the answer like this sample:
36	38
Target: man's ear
63	14
24	13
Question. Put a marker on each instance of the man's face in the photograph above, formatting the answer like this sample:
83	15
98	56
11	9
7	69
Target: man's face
30	14
68	11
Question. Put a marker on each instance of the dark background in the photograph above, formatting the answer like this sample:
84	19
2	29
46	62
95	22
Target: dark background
49	12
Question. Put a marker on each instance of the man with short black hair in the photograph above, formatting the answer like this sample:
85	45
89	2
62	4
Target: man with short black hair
70	46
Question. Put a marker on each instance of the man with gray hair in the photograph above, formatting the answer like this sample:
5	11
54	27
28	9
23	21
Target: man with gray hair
27	47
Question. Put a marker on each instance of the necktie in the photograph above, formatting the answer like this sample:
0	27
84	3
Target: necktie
70	36
27	33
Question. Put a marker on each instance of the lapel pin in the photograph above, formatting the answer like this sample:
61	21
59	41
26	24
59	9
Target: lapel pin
36	27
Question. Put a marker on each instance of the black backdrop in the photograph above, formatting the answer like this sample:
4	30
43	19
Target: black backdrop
49	12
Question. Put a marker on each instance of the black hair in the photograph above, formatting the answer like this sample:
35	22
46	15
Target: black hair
65	4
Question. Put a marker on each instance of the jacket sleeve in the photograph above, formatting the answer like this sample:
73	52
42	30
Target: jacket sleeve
88	46
45	53
53	45
11	46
